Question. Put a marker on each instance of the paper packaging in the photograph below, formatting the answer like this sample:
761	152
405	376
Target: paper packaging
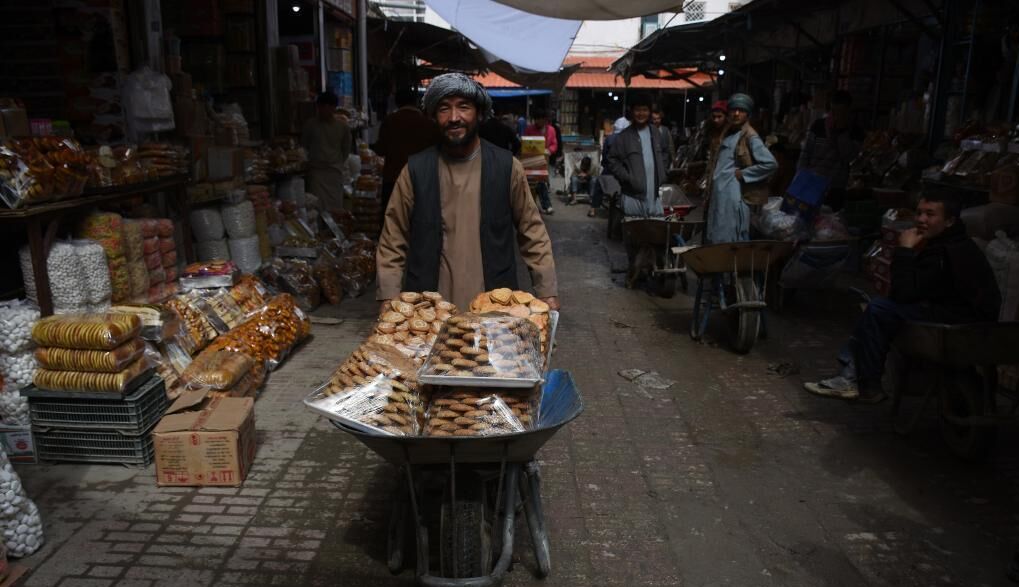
18	444
203	441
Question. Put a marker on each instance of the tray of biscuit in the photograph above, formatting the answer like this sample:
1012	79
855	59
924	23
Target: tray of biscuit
412	322
521	305
485	350
374	390
479	412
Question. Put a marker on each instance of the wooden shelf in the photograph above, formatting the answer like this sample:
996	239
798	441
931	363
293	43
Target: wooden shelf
96	196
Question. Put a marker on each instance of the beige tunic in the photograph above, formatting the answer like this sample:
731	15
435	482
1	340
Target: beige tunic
461	274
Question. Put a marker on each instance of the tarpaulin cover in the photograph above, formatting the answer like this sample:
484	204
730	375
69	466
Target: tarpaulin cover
595	9
527	41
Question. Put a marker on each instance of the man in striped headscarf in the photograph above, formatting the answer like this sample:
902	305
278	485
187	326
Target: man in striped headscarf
460	211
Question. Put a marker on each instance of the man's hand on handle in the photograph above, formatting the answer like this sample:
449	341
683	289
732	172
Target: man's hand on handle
553	302
910	238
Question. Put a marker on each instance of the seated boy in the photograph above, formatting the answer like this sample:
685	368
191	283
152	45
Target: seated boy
938	275
580	181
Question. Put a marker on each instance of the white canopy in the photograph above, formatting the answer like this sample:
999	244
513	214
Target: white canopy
594	9
527	41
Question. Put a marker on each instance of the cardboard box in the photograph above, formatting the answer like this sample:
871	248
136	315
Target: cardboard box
532	146
203	441
18	443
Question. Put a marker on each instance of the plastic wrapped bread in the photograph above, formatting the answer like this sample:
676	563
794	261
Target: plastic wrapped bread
88	381
487	345
88	331
111	361
479	412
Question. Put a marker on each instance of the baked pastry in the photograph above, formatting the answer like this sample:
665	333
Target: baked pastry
479	412
412	321
487	345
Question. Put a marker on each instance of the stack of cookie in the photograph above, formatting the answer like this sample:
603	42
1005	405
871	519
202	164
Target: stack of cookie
478	412
491	345
516	303
376	386
412	323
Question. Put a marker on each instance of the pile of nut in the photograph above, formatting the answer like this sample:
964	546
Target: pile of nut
478	412
491	345
515	303
412	323
377	386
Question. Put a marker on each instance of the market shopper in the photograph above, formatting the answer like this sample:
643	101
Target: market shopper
832	142
403	133
461	211
599	187
638	160
938	274
665	134
541	128
500	134
741	161
326	139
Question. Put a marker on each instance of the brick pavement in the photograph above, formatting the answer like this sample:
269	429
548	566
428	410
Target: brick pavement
730	477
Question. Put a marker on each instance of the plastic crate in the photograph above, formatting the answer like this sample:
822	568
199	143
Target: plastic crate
94	446
129	415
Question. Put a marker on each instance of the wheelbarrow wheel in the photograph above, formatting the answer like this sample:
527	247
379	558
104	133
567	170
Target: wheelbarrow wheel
745	322
963	397
465	532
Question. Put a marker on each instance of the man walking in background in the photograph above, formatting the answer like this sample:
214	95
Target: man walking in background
541	128
657	119
403	133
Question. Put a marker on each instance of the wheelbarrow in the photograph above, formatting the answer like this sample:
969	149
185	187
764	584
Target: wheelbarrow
660	241
733	278
962	362
463	494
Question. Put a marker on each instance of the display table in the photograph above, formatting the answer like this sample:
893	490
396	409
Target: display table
42	222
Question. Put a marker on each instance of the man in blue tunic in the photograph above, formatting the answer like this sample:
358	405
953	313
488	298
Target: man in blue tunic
741	159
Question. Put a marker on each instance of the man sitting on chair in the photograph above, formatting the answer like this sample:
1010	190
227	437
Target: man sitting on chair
938	275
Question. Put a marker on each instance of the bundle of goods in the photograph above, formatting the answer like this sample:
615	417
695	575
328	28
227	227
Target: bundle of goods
269	334
207	226
224	374
19	516
257	166
196	329
357	264
249	293
412	323
115	166
169	361
375	387
219	307
244	245
487	345
89	353
293	276
107	229
479	412
287	156
138	263
164	159
213	273
158	324
326	271
519	304
367	213
344	220
39	169
17	361
80	280
159	251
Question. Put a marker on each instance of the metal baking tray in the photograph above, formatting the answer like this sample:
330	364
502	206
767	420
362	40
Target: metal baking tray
310	402
514	382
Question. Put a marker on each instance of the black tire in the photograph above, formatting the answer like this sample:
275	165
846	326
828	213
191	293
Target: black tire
467	551
963	396
745	323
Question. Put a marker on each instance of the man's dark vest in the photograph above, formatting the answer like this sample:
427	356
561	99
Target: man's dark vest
498	231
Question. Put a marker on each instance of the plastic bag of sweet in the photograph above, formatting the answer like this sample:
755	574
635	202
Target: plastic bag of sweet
487	345
111	361
230	373
376	387
516	303
269	334
479	412
195	324
87	331
412	322
249	293
90	381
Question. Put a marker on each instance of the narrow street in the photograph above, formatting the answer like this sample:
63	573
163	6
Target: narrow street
731	476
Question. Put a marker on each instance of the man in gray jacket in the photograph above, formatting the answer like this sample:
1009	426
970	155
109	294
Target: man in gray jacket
639	161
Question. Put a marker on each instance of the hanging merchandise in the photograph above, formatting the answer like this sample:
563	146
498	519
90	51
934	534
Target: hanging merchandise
147	103
245	253
207	224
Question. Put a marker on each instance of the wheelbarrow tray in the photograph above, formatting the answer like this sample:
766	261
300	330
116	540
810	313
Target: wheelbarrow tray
658	231
961	345
736	257
560	404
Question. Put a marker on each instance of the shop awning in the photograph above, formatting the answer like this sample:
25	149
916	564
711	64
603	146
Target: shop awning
594	9
525	41
517	93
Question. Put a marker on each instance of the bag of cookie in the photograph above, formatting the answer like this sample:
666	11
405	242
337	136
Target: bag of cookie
375	387
479	412
516	303
412	322
487	345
